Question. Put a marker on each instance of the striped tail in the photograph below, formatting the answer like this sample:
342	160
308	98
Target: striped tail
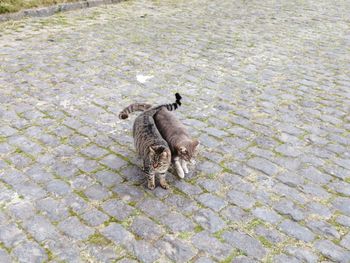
124	114
172	106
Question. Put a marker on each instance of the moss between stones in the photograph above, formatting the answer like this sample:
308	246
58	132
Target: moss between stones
98	239
198	229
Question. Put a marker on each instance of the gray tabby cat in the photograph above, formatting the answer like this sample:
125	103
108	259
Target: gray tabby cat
183	147
150	145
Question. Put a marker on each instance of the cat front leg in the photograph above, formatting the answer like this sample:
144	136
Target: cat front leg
178	167
184	166
151	182
162	181
150	175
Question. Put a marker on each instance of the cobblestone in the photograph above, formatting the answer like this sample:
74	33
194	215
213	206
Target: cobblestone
265	92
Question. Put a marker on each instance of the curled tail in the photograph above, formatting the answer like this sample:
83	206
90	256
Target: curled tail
172	106
124	114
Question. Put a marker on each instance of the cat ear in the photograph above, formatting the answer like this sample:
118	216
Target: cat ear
151	150
195	143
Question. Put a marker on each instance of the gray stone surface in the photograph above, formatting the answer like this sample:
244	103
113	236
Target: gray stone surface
214	202
209	220
94	217
295	230
302	254
74	228
204	242
246	243
118	234
145	252
287	207
176	249
29	252
332	251
265	89
177	222
4	256
267	215
146	228
240	199
117	209
41	228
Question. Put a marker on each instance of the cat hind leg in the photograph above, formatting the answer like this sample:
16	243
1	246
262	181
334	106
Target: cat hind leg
184	166
178	168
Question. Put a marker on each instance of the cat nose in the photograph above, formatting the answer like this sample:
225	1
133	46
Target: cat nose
155	165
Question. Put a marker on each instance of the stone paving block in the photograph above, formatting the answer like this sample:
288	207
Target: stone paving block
94	217
146	229
302	254
119	235
74	228
58	187
94	151
108	178
76	203
10	235
177	222
343	220
267	215
129	193
240	199
185	205
244	242
323	228
263	165
153	207
4	256
345	242
285	258
64	249
97	192
271	235
188	188
105	253
209	220
287	207
204	260
235	213
40	228
176	249
295	230
342	204
29	252
332	251
212	201
204	242
113	162
117	209
145	252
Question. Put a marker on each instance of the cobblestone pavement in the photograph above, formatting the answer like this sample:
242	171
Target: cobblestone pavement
266	90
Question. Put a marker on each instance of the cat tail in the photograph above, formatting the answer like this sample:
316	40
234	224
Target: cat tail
172	106
124	114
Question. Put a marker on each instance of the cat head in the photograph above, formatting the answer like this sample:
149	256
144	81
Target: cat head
160	157
187	150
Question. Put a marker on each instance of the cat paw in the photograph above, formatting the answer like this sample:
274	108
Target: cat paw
186	170
181	175
164	185
151	186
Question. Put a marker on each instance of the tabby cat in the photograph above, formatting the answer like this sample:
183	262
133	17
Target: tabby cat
182	146
150	145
